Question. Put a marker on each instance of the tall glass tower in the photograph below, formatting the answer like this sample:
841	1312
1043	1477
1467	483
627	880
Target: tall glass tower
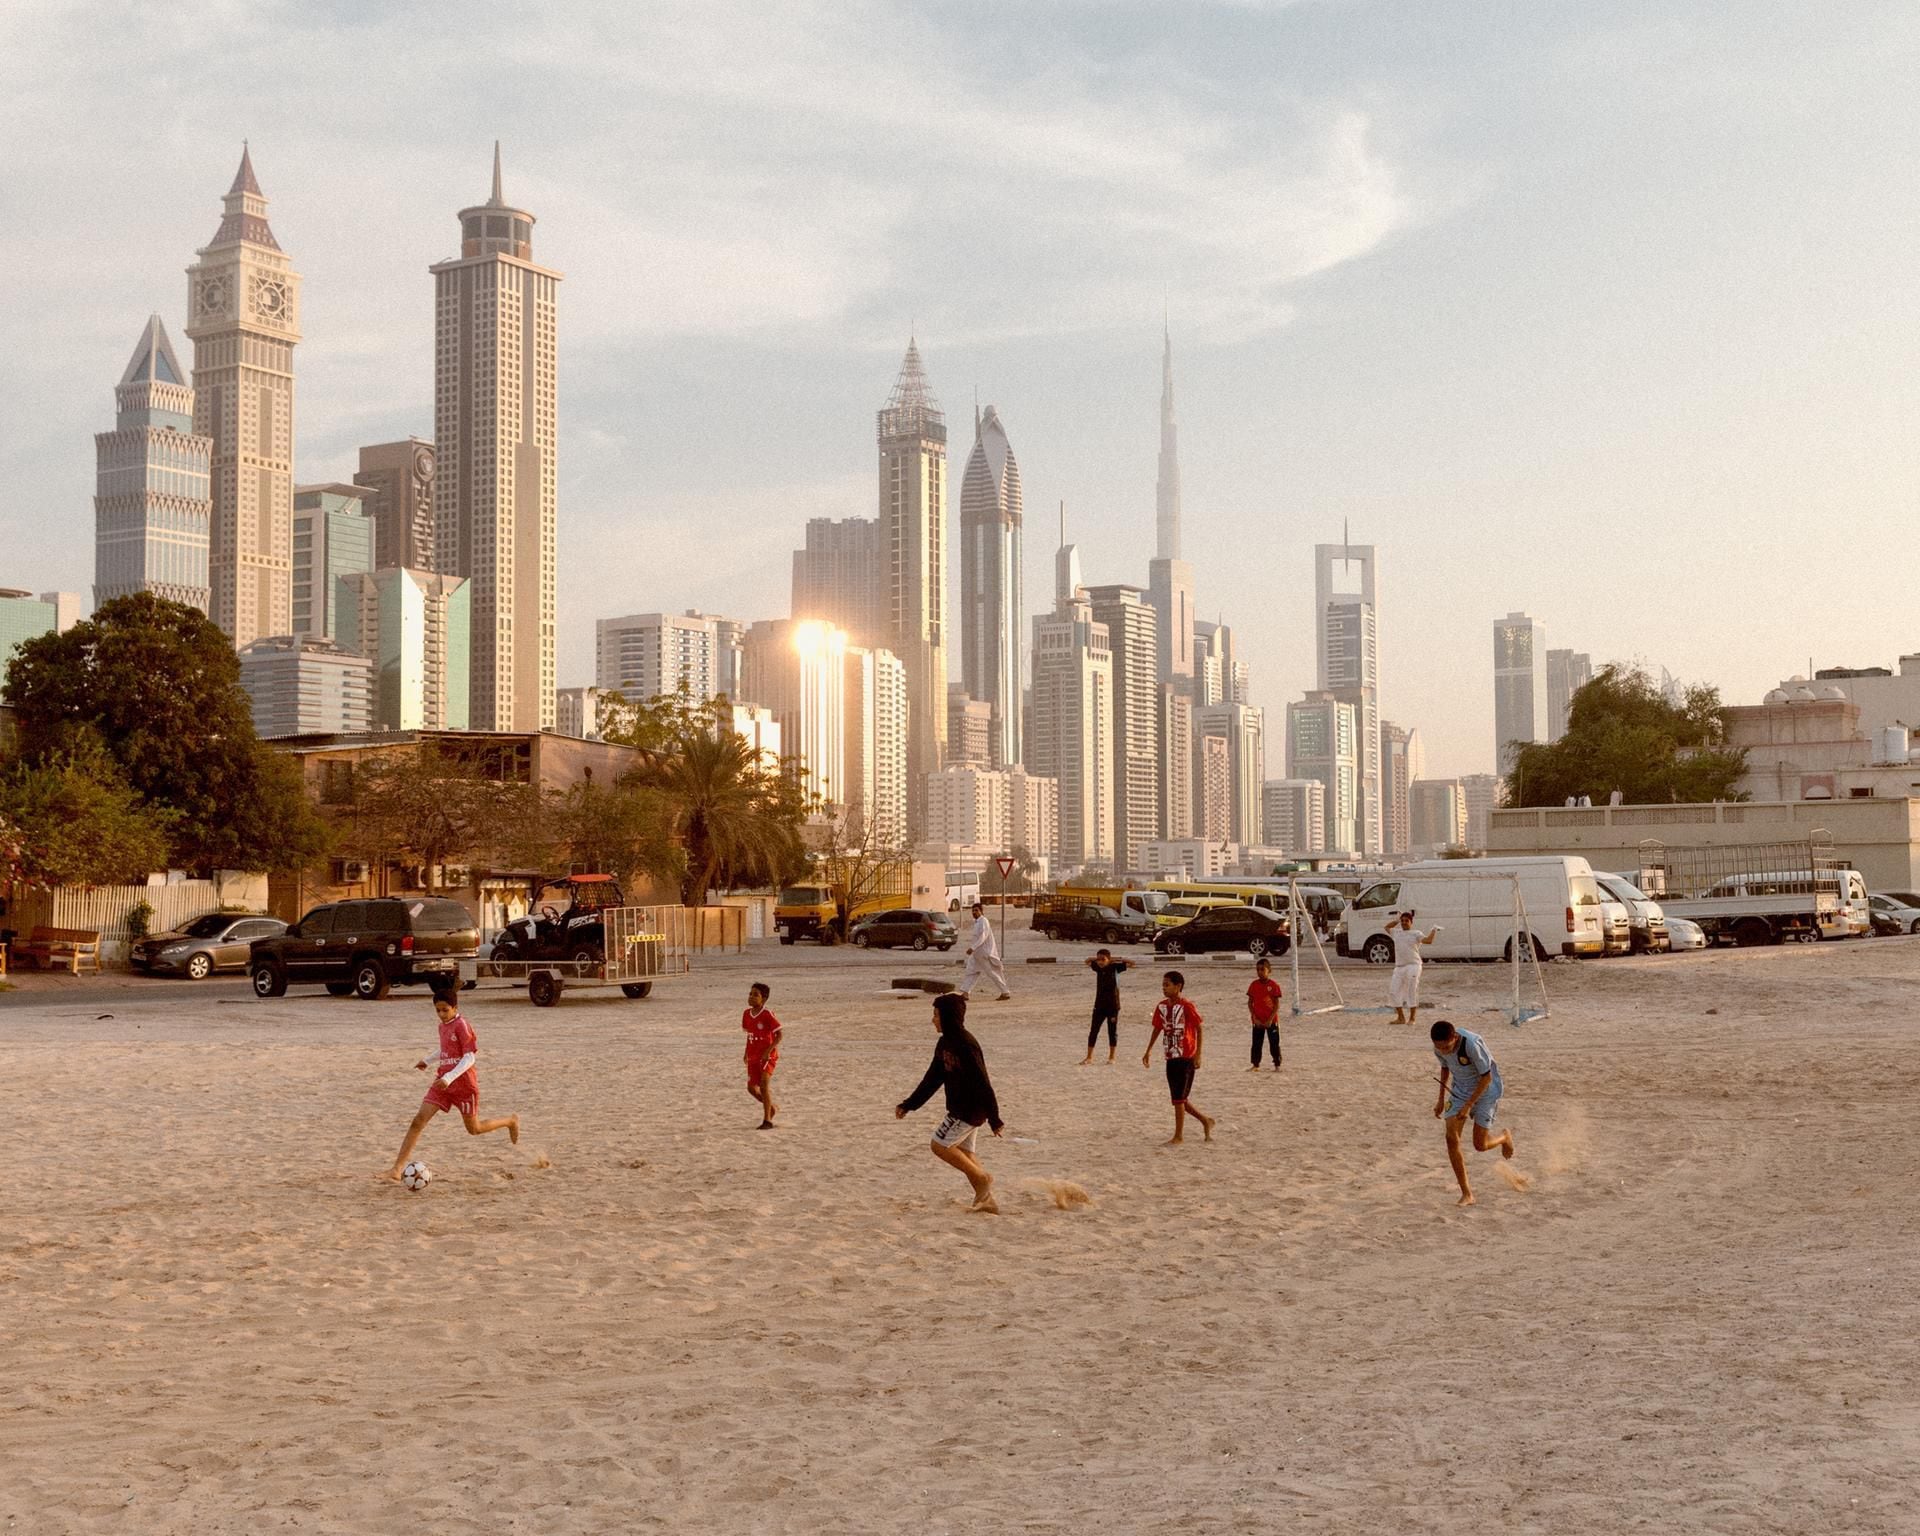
152	501
991	608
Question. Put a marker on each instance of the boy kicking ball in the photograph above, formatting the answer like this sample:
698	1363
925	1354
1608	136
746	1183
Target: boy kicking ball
455	1084
763	1050
1178	1022
1469	1089
959	1066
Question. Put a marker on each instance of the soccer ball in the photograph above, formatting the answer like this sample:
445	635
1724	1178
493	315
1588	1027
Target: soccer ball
416	1175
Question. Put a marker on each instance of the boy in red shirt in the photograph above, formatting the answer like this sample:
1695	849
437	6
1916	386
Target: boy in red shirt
763	1050
1179	1023
1263	1006
455	1085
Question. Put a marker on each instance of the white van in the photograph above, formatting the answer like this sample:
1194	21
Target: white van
1471	900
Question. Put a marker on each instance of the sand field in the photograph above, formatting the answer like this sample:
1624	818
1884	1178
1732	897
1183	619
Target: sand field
1701	1317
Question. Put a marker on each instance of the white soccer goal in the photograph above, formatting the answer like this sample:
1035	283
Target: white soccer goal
1529	1002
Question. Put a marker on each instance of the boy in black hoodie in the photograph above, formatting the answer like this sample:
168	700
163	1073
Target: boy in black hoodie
959	1066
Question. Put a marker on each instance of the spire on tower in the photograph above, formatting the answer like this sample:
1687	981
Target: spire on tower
1167	492
911	410
243	179
498	200
245	216
153	358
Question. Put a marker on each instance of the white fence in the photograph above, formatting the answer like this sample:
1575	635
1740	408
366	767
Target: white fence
104	908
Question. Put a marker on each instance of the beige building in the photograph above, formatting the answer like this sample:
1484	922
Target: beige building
1070	739
1483	795
398	478
1803	745
243	315
1880	835
979	812
1439	817
876	751
913	551
1133	636
798	670
494	457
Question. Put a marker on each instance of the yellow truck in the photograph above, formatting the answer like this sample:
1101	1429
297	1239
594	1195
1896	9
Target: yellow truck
837	894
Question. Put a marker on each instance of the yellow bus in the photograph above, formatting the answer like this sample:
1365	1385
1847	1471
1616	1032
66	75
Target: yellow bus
1268	897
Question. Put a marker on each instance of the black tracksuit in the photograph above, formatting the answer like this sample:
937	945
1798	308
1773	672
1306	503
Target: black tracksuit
958	1066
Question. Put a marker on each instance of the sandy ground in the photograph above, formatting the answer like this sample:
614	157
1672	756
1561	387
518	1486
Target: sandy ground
1701	1317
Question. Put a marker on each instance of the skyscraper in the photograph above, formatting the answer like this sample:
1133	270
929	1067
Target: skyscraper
1347	663
836	577
1482	791
1519	686
798	669
912	436
1323	742
494	434
1439	819
1567	673
1243	730
1169	578
412	625
1133	640
398	478
992	610
647	655
333	541
1401	762
875	759
1295	812
1072	736
1175	712
243	314
152	499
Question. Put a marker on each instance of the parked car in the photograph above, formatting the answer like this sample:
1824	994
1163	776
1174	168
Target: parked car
904	928
1644	915
365	947
551	932
216	941
1685	933
1090	921
1616	923
1253	929
1905	898
1891	916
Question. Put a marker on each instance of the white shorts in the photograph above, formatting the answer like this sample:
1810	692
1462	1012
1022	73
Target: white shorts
956	1134
1404	990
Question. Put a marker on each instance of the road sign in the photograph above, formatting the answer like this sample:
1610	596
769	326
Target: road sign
1006	866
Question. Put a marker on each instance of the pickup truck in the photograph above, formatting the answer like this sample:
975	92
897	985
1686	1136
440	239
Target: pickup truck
1058	917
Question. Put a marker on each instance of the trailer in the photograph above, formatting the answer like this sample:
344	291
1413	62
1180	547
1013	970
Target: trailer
643	945
1751	893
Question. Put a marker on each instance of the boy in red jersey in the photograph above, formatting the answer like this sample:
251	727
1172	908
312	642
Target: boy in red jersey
455	1083
1263	1007
1179	1023
763	1050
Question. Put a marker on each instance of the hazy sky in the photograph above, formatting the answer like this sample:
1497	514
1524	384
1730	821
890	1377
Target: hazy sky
1606	312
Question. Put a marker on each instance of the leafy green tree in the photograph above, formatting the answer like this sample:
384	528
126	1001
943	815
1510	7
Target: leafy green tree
158	684
75	821
619	829
1622	734
410	806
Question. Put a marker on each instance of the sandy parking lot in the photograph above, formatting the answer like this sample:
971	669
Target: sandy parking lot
1701	1317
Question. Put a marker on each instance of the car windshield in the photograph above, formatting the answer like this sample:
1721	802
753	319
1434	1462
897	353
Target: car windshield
206	927
802	896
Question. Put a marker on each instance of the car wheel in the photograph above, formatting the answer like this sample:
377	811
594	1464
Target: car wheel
269	980
1752	931
1051	934
1111	936
1916	926
586	957
1256	946
919	941
1173	947
370	982
340	989
1808	936
1379	950
636	988
199	967
861	941
543	989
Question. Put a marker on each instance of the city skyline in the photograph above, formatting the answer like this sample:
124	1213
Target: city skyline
1400	279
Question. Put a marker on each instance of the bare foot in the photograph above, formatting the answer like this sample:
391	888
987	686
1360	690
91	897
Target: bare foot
1467	1198
1276	1066
1254	1068
1174	1141
1109	1058
1206	1127
1089	1060
391	1176
1506	1146
764	1125
513	1129
986	1205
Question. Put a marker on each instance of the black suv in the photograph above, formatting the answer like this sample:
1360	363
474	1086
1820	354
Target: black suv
1253	929
365	947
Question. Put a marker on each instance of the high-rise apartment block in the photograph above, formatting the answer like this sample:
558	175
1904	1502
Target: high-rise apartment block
306	687
577	713
413	627
1401	762
1175	713
1323	742
987	812
243	315
1187	858
969	728
912	435
333	542
1482	791
495	437
152	502
1212	789
1439	819
26	617
398	482
1347	666
837	577
1519	686
1072	724
1133	639
649	655
875	784
992	608
1296	815
1219	676
1567	673
1242	729
1169	578
798	669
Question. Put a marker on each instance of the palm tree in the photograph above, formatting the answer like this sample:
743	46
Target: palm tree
735	821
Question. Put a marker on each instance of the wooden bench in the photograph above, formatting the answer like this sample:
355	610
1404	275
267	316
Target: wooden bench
72	948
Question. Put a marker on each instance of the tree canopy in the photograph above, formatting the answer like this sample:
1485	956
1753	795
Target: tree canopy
74	821
157	685
1623	734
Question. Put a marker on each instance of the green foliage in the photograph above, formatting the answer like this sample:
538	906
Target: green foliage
1622	734
621	830
1025	867
158	684
139	920
409	806
77	822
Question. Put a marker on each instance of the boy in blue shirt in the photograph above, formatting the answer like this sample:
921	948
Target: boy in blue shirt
1469	1089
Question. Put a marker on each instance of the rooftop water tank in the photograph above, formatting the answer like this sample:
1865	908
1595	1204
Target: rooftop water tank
1891	744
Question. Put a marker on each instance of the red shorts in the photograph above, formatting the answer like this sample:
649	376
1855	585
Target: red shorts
463	1093
761	1059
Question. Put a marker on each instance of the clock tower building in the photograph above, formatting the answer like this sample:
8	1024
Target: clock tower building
243	315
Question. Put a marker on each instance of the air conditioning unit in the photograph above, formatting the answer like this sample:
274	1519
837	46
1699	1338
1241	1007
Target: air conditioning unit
353	872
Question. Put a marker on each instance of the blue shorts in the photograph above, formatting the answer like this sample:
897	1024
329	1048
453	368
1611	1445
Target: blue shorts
1483	1110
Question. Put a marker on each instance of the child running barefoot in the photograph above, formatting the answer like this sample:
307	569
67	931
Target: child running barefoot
1470	1089
1179	1023
959	1067
763	1050
1263	1007
455	1084
1106	1003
